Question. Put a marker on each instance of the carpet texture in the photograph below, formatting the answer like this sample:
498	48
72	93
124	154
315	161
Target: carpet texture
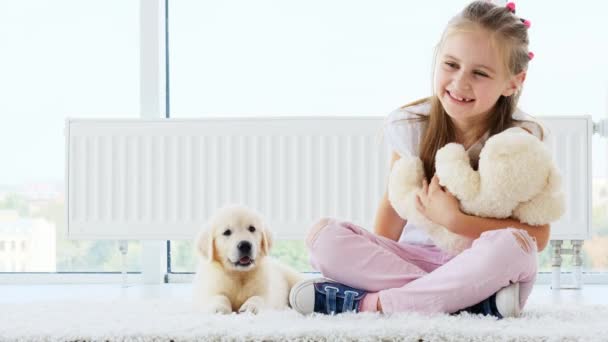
170	319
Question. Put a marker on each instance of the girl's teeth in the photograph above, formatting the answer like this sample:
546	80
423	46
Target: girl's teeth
461	98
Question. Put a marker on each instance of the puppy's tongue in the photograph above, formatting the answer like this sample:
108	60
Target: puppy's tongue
244	260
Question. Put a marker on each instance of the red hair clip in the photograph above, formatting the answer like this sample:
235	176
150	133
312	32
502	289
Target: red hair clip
526	22
530	55
511	7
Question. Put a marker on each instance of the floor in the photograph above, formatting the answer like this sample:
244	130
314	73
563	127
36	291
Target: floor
542	294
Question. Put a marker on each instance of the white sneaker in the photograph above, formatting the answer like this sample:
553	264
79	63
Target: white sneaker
507	301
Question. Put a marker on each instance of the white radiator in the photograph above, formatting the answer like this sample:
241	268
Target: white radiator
161	179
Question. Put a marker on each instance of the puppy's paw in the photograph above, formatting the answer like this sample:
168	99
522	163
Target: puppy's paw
250	308
252	305
219	309
217	305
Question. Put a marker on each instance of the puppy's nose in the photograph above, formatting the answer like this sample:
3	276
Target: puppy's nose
244	246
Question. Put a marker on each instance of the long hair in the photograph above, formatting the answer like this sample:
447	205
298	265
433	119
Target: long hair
511	38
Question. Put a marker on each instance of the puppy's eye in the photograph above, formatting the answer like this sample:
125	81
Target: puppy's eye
227	232
252	229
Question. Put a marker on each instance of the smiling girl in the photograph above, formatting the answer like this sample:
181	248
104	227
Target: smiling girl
479	69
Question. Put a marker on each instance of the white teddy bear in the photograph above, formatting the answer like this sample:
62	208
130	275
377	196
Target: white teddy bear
516	178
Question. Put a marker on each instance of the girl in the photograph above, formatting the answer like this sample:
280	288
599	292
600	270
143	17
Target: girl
480	66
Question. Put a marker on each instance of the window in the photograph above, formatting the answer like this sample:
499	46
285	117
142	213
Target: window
63	58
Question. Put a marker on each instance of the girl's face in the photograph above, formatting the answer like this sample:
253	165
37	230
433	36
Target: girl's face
470	76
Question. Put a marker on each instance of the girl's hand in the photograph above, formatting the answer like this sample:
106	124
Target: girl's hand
437	204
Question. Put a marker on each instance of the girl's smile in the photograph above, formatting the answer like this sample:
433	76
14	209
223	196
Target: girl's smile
461	100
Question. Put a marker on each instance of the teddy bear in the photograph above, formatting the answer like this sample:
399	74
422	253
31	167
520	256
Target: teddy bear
516	178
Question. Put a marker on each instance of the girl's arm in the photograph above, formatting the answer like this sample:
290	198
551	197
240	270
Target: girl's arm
472	227
388	223
441	207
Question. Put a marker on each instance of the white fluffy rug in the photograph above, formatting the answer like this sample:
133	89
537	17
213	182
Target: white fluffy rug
170	319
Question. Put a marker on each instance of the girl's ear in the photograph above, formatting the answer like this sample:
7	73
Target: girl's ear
514	84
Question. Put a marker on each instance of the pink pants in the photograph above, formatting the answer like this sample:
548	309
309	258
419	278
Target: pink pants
418	278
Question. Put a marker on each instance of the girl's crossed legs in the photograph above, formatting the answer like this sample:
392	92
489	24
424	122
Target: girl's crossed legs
409	277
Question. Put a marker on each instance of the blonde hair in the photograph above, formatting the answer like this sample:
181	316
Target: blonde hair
511	38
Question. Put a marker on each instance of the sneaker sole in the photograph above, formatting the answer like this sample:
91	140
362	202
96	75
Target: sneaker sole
517	306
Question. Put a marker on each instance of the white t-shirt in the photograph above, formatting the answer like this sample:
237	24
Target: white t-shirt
403	136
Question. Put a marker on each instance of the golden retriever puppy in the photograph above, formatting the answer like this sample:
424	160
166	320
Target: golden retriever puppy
235	272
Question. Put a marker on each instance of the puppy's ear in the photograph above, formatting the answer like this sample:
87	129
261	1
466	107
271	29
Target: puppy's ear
267	240
204	244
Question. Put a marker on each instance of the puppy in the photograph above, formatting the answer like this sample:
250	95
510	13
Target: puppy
235	272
